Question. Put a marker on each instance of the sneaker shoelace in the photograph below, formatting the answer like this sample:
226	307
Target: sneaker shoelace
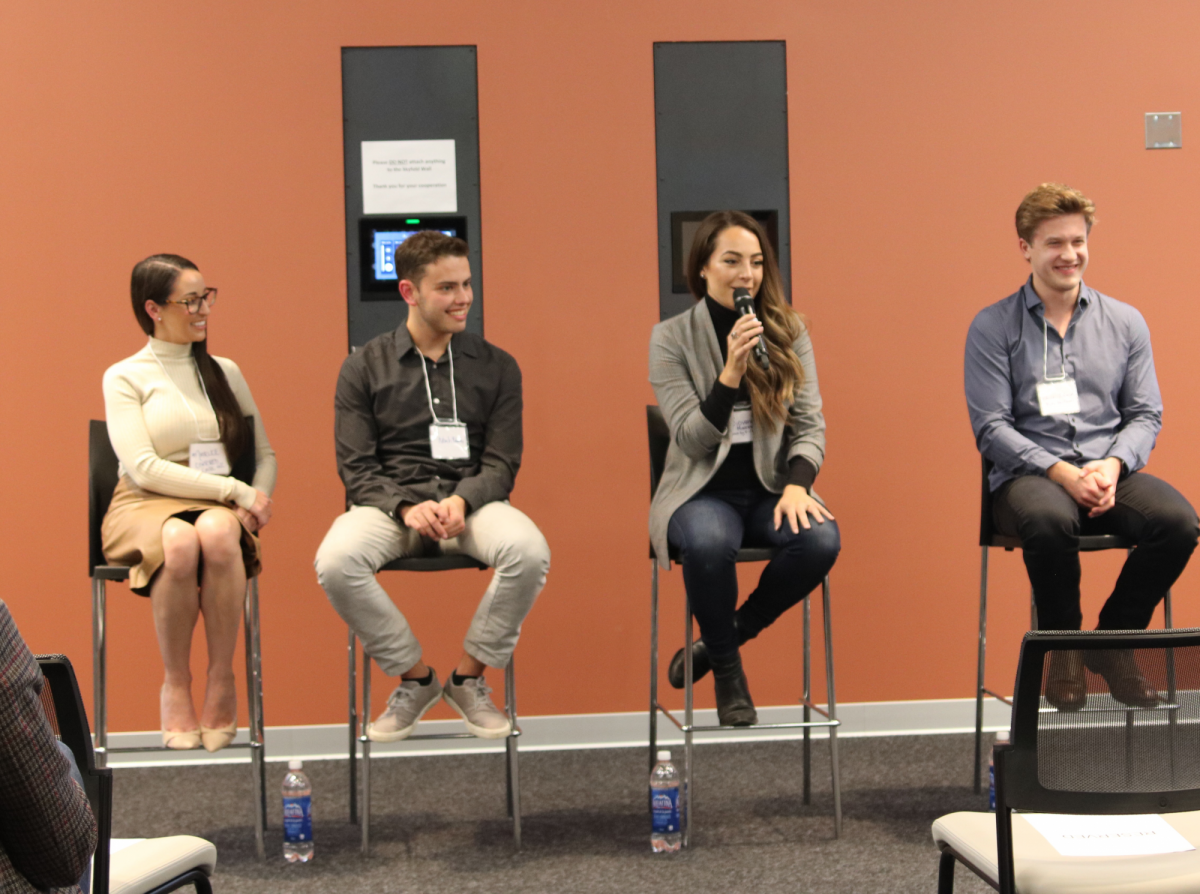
479	694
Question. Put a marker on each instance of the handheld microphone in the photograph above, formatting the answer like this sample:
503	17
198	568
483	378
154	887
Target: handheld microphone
745	306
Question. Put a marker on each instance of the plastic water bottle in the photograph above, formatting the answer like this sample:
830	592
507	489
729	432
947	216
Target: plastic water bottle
297	815
1001	739
665	807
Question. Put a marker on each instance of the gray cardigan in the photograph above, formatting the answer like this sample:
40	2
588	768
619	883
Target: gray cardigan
685	361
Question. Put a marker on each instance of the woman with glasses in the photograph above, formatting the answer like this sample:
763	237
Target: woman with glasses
177	419
739	394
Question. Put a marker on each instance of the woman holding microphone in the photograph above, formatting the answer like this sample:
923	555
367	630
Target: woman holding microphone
177	421
747	441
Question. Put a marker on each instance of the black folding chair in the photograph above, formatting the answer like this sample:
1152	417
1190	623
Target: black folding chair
102	481
660	439
988	538
1106	759
358	724
169	863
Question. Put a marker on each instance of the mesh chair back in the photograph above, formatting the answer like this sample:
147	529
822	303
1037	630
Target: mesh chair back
103	476
1108	757
64	710
660	438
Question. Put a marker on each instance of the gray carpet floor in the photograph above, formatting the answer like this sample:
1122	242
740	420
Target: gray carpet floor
439	823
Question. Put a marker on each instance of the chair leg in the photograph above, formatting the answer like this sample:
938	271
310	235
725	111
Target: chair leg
255	709
653	663
806	671
366	753
982	657
946	873
352	650
832	696
513	762
99	667
687	728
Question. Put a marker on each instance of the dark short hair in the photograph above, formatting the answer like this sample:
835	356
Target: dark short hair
421	249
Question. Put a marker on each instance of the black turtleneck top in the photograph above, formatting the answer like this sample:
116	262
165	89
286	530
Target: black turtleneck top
737	471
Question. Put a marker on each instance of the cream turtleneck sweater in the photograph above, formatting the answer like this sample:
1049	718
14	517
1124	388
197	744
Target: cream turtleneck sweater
152	430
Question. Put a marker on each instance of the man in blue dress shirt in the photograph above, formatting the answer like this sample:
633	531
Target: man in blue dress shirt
1064	402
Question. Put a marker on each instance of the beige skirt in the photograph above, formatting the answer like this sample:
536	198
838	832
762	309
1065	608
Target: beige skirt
131	533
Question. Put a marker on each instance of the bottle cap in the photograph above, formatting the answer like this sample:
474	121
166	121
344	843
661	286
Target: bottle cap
294	764
1002	735
664	755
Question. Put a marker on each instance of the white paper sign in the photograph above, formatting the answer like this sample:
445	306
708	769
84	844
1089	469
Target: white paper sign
208	456
409	176
1108	836
741	425
1058	398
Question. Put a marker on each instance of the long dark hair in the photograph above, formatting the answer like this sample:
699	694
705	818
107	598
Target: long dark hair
771	391
153	280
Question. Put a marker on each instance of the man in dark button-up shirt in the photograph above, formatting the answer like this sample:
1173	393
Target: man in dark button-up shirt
428	434
1064	403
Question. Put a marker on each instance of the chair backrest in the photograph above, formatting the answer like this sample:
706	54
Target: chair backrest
102	480
1109	758
64	709
660	439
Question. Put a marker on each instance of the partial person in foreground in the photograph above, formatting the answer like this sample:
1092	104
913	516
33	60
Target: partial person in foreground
177	419
47	831
428	435
1064	402
746	445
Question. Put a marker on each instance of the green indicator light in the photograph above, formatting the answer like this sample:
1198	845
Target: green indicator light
413	220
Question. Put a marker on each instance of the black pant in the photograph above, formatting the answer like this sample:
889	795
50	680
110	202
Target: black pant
1148	511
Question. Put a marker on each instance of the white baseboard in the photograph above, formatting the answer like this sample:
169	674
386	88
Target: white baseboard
557	732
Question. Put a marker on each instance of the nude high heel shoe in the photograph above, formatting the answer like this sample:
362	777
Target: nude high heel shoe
216	738
178	740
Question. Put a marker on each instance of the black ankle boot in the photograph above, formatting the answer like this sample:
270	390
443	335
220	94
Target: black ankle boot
701	664
734	705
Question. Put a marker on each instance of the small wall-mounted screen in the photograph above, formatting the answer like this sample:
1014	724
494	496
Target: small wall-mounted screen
378	239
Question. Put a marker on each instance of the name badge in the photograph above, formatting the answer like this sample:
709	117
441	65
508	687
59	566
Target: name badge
448	440
741	424
1058	398
208	456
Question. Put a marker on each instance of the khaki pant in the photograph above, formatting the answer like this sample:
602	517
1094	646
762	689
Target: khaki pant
365	539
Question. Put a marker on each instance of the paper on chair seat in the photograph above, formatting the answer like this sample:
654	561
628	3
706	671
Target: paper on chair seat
1108	836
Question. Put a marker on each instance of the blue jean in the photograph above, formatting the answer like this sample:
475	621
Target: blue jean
710	528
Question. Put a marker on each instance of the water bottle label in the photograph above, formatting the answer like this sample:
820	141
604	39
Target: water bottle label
664	810
297	819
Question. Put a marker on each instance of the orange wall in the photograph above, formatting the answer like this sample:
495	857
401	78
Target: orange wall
214	130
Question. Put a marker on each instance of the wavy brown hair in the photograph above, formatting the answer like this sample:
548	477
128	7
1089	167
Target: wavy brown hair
771	390
154	279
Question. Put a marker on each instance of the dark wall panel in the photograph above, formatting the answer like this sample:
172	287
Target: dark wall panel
721	140
408	93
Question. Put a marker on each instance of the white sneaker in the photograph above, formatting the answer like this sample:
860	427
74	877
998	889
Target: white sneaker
406	706
470	699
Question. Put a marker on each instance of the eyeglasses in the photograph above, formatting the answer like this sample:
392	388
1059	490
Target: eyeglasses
193	304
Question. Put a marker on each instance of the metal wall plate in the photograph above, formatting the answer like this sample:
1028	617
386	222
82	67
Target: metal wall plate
1164	130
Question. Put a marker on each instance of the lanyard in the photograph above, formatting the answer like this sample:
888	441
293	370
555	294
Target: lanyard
1062	350
179	391
429	393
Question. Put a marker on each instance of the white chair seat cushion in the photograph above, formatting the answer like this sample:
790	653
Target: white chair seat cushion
144	865
1040	869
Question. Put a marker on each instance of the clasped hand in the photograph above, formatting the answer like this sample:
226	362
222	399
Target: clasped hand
256	517
1094	487
796	505
436	520
741	341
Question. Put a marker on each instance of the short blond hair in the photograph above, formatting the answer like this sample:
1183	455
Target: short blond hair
1051	200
